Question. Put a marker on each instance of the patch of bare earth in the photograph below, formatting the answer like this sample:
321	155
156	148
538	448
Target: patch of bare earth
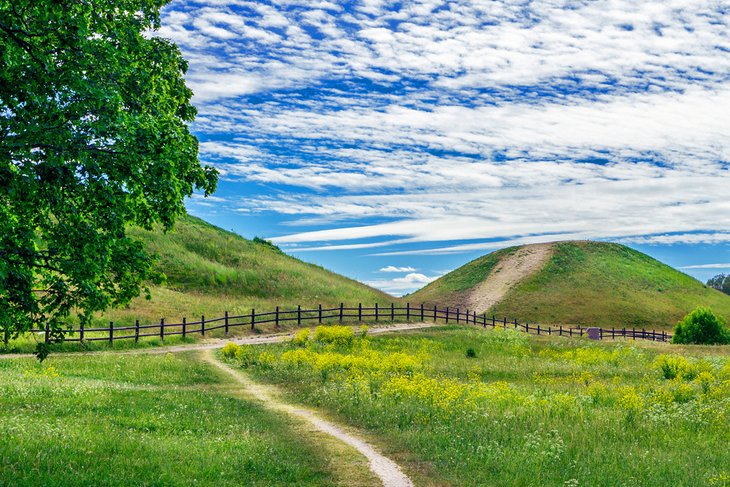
510	271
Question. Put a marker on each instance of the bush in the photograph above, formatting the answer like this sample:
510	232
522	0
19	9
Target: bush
701	326
245	355
471	353
336	335
675	366
301	337
229	350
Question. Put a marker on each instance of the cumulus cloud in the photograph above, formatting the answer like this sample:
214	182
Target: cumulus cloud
392	268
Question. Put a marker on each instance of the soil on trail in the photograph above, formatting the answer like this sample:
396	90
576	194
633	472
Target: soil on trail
510	271
384	468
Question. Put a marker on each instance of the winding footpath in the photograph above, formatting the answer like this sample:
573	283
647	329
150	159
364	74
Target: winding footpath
388	471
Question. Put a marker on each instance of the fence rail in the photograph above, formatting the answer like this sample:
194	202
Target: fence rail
342	314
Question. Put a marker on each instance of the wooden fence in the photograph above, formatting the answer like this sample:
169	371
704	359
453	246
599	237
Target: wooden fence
342	314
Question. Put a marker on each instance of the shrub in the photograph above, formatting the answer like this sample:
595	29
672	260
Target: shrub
471	353
336	335
674	366
229	350
701	326
301	337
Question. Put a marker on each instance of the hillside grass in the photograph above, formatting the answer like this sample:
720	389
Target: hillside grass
452	288
609	285
524	410
143	420
210	271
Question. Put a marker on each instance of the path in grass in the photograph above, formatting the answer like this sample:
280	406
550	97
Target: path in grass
387	470
220	342
509	272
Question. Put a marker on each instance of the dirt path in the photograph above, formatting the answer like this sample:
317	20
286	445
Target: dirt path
509	272
220	342
388	471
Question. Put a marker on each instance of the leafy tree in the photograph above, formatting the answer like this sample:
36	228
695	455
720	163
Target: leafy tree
94	137
701	326
721	282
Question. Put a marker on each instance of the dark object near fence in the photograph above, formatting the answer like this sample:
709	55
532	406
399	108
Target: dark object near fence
340	314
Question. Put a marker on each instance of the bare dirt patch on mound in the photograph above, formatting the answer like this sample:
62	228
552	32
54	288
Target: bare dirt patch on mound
512	270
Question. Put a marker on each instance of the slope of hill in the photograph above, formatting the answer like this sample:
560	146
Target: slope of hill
588	283
210	270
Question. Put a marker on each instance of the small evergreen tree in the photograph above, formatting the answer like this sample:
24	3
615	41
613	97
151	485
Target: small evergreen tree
701	326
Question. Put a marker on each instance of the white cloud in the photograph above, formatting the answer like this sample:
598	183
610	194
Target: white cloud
392	268
402	285
707	266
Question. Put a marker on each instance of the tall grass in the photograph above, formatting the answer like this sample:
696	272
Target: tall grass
520	410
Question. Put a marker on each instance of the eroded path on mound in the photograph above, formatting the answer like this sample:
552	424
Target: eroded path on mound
385	469
512	270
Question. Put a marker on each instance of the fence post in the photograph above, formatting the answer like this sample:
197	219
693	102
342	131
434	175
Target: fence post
184	327
359	312
434	313
226	318
376	312
299	315
560	333
516	323
458	316
447	315
253	318
504	323
392	312
136	331
320	313
111	331
527	327
276	318
202	325
81	332
494	322
342	309
408	312
421	311
162	328
538	328
474	318
485	320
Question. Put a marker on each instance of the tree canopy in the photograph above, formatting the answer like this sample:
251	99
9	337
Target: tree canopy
721	282
94	137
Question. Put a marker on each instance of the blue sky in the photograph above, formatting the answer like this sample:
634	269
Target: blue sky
392	141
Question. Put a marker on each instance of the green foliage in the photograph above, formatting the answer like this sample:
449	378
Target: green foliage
94	136
471	353
336	335
675	367
701	326
301	337
721	282
229	350
268	243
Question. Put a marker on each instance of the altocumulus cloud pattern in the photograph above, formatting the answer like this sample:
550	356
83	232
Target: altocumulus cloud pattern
377	124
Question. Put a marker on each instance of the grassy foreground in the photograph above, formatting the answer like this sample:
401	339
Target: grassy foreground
473	407
142	420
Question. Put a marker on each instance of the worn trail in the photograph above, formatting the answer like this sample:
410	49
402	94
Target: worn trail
385	469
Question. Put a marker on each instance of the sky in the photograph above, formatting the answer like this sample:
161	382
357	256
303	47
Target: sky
393	141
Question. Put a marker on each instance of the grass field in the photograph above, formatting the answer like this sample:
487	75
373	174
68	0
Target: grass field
145	420
473	407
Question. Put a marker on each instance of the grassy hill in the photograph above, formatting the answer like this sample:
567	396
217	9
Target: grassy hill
589	283
210	270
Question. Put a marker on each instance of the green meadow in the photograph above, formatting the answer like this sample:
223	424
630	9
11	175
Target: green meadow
464	406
